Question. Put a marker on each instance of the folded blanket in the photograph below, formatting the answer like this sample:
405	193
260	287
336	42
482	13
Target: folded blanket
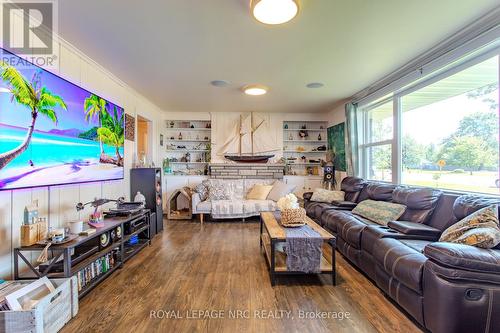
227	209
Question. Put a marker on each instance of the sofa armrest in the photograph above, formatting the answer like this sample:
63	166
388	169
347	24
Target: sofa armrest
464	257
307	196
347	205
415	229
195	200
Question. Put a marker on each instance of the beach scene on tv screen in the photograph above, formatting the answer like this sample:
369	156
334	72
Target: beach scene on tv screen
54	132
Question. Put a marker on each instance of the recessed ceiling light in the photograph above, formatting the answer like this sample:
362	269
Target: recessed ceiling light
255	89
219	83
315	85
274	11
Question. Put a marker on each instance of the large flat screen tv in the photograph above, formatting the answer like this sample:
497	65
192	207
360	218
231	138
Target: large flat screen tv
53	132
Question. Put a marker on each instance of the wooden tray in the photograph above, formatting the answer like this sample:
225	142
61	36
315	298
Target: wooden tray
67	239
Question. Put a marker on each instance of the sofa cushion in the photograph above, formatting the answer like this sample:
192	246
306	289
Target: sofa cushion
315	209
379	211
415	229
202	189
402	259
352	186
322	195
346	225
219	191
259	192
258	206
378	191
279	190
420	202
465	205
464	257
479	229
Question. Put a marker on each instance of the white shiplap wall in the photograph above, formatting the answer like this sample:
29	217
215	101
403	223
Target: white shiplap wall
58	202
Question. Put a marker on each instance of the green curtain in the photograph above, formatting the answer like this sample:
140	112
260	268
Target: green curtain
352	149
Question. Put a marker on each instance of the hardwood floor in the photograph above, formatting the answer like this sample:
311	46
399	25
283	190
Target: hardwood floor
218	266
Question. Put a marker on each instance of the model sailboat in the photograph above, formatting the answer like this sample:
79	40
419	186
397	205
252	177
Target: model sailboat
249	142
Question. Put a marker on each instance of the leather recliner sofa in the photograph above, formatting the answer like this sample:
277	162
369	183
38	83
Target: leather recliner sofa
445	287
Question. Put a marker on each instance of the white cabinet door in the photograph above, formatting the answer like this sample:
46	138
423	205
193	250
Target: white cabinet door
312	183
298	181
195	180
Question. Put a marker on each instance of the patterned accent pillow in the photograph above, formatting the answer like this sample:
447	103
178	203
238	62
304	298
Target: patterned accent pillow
322	195
202	190
380	212
218	191
480	229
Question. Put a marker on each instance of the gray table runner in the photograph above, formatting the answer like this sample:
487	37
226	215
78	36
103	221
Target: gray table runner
303	249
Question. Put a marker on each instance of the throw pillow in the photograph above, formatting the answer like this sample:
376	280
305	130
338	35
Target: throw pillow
202	190
322	195
280	190
380	212
218	191
480	229
259	192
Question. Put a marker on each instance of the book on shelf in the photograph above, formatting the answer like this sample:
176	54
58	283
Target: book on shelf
96	268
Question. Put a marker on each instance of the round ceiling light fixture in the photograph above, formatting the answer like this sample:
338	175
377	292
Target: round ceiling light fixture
314	85
274	11
220	83
255	89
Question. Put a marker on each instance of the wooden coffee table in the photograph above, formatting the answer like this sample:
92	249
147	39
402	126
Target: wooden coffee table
272	234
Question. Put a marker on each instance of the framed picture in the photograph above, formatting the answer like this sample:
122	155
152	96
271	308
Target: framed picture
161	139
27	297
129	127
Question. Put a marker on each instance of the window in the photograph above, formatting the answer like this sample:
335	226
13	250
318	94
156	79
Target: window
443	132
378	140
450	131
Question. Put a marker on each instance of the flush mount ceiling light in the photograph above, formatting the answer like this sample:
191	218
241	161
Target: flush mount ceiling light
219	83
255	89
274	11
314	85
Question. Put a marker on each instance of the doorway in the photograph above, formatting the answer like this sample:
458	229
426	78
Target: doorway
144	141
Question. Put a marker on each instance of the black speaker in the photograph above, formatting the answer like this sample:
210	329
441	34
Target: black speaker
148	182
329	176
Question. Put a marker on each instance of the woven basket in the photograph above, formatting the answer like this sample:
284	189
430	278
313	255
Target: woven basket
293	217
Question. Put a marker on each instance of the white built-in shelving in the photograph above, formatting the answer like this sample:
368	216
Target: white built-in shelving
304	146
187	146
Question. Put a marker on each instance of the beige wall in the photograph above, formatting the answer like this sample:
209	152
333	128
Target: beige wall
337	114
58	202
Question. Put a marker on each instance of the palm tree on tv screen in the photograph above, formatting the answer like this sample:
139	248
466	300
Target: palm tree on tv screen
37	98
96	106
112	133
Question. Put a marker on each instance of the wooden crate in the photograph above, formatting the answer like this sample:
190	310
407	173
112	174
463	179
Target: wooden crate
49	315
32	233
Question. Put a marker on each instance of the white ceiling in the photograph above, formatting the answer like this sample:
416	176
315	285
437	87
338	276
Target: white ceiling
169	50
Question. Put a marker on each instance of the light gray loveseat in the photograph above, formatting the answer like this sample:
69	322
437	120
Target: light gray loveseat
237	206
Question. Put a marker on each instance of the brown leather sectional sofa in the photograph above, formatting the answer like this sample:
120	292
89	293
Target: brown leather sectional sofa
445	287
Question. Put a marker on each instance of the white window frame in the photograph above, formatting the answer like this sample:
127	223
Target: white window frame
364	144
396	141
